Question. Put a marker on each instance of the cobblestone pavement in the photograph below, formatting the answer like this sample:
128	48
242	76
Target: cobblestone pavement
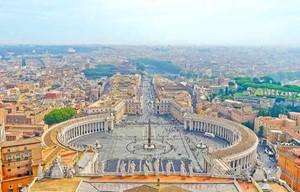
126	142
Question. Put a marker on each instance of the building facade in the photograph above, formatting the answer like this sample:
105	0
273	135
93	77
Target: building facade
289	162
20	160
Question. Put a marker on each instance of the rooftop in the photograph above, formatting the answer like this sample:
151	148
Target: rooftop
109	183
29	141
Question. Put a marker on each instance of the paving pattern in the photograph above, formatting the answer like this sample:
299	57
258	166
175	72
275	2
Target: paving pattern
126	142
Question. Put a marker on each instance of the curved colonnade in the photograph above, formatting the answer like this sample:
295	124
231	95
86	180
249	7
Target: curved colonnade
240	153
242	150
85	126
75	128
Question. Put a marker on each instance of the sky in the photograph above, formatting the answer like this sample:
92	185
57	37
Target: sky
153	22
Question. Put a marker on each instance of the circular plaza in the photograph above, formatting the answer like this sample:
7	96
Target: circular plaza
201	145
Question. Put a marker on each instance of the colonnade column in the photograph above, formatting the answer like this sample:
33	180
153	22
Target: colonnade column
184	124
112	124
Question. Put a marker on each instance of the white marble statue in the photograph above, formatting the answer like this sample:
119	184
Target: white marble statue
156	166
123	168
40	171
132	167
182	169
101	167
168	167
191	169
278	173
68	172
146	170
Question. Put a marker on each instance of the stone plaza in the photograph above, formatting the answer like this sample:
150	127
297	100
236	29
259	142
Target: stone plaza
125	144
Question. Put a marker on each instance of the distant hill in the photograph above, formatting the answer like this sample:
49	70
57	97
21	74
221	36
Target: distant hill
39	49
156	66
101	70
285	76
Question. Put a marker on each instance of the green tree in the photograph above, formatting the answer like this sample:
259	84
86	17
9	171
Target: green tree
211	96
263	112
226	91
260	132
267	79
221	92
231	84
59	115
277	109
256	80
249	124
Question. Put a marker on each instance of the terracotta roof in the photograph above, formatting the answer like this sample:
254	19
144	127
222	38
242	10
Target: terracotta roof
144	188
155	188
296	152
290	152
21	142
291	133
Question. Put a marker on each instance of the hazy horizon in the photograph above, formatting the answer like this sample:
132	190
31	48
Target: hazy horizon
151	22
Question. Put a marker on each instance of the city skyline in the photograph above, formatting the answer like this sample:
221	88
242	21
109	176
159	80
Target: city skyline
151	22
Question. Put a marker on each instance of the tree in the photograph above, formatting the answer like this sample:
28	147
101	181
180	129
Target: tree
263	112
260	132
249	124
226	91
256	80
211	96
231	84
59	115
267	79
277	109
221	92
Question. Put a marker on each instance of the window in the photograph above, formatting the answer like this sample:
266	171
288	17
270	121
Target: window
25	148
18	167
18	157
9	170
26	155
8	150
20	187
10	188
9	158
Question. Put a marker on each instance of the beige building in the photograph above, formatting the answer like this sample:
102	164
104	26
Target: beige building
271	123
238	111
19	160
29	117
122	98
171	99
295	116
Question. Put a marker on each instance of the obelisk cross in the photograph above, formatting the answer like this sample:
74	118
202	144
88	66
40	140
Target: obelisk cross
149	133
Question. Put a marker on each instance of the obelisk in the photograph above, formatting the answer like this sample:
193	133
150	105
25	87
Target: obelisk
149	133
149	145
